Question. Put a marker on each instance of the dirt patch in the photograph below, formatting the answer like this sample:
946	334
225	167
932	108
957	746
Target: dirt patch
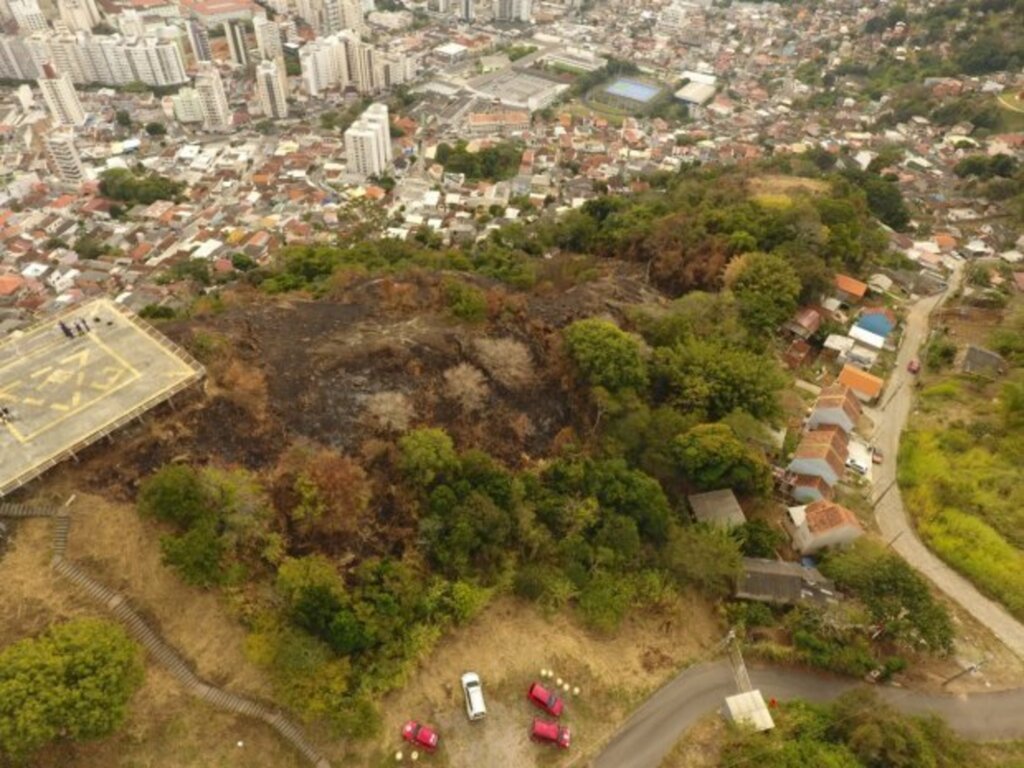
784	185
508	646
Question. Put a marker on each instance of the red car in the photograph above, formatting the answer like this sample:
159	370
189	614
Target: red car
914	366
550	733
421	735
549	702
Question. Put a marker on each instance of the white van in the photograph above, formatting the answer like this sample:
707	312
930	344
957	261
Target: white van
474	693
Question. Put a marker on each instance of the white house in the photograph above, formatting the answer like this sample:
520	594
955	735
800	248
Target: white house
821	524
836	406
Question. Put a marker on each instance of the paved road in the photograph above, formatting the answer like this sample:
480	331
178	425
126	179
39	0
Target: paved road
890	513
655	728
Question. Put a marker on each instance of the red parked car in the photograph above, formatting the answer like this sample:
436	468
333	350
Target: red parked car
421	735
549	702
550	733
914	366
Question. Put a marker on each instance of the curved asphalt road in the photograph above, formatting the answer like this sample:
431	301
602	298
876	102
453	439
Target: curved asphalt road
658	724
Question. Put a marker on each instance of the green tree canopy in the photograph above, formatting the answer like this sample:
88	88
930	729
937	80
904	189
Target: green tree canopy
712	457
427	455
767	289
72	682
606	356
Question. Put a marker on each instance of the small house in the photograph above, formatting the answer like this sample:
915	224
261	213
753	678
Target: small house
821	453
804	323
866	386
718	508
808	488
749	710
821	524
836	406
867	338
850	290
979	361
782	583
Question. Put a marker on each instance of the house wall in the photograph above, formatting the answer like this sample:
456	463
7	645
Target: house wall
836	537
814	467
831	417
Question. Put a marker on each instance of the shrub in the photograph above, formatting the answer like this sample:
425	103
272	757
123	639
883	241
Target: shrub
607	356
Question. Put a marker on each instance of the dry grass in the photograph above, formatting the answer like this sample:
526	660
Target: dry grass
785	185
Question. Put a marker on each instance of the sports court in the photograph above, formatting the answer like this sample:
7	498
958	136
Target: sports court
65	393
633	90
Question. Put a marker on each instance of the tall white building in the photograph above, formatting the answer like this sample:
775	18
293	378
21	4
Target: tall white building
271	88
343	60
60	97
213	99
268	37
368	142
512	10
79	15
199	40
188	106
16	62
234	31
60	147
28	16
467	11
156	62
131	23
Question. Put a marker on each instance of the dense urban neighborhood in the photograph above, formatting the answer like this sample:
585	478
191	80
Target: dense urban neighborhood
624	383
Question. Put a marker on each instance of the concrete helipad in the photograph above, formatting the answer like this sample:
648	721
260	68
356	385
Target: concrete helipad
63	393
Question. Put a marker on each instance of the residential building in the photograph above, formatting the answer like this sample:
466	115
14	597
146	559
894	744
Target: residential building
979	361
866	386
880	321
836	406
238	47
28	16
512	10
156	62
212	98
467	11
821	453
131	23
805	323
271	88
498	123
60	97
60	147
821	524
16	63
79	15
782	583
199	40
849	290
368	142
718	508
188	106
268	37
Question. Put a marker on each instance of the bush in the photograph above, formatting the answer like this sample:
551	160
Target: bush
939	353
606	356
464	301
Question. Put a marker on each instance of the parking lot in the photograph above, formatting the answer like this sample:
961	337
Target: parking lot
63	393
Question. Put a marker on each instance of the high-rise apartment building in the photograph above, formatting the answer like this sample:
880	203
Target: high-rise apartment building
60	148
467	11
16	63
238	47
213	99
79	15
156	62
188	106
199	40
368	142
512	10
60	97
28	16
268	37
271	88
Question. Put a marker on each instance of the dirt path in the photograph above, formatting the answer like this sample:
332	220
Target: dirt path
893	521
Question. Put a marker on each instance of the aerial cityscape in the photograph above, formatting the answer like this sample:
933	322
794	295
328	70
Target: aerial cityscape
512	383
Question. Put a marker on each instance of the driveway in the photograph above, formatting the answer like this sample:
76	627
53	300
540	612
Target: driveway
893	522
654	729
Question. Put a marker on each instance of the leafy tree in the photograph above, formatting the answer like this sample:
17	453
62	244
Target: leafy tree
607	356
759	538
156	129
427	455
73	682
713	380
897	597
767	290
123	118
129	187
712	457
604	602
174	494
198	554
495	163
703	557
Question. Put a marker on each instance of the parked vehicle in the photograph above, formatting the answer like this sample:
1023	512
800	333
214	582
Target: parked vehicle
877	457
914	366
541	697
474	693
547	732
856	466
421	735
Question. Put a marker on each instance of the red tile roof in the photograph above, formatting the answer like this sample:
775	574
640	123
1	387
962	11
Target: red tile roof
823	516
851	286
